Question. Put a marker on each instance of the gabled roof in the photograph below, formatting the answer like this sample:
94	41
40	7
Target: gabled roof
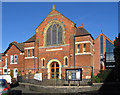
105	37
80	31
19	46
52	13
32	39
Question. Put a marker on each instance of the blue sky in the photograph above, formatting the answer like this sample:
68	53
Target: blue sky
19	20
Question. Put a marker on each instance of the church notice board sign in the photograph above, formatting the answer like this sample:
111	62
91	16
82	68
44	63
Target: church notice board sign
38	76
74	74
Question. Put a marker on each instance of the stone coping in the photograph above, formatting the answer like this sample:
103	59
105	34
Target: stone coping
54	86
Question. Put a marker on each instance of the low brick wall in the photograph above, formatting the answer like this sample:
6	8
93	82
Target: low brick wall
59	89
56	82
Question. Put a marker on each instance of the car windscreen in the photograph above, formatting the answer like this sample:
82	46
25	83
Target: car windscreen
3	84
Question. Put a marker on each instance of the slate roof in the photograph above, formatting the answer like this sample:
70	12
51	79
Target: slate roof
19	46
80	31
32	39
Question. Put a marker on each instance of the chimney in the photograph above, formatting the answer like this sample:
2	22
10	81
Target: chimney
14	42
80	26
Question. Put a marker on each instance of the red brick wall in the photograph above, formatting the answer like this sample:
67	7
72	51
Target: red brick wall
83	60
97	56
31	63
20	59
97	52
34	64
69	30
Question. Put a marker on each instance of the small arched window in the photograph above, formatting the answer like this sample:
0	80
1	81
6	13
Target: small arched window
65	60
43	62
54	34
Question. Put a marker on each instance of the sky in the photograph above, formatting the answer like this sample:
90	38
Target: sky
20	19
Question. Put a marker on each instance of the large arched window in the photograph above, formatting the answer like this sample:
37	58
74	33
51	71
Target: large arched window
54	34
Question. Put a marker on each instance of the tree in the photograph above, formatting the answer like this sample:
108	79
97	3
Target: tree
117	55
117	50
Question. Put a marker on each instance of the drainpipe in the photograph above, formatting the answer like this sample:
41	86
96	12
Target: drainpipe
38	56
74	52
34	57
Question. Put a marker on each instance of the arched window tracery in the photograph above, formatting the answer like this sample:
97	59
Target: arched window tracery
54	34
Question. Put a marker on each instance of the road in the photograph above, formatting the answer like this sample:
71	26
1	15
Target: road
106	89
23	91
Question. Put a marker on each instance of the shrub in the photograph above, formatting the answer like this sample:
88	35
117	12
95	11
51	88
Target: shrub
19	73
96	79
101	77
11	73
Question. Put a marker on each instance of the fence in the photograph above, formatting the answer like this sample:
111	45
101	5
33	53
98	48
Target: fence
29	78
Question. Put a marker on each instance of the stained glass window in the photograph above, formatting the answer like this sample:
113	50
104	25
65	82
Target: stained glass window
49	36
60	35
101	45
54	34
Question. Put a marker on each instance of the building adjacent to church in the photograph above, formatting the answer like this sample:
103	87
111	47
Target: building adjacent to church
102	45
57	45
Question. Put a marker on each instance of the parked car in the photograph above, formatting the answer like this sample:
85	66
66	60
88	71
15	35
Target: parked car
4	87
7	78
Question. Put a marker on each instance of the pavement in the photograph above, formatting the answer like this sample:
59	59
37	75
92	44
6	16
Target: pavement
95	89
59	89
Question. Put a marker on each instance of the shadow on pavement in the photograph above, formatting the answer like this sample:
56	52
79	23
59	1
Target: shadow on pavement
111	83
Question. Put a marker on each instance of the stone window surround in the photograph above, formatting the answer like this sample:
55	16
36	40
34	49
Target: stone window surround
84	53
42	62
47	26
64	61
14	59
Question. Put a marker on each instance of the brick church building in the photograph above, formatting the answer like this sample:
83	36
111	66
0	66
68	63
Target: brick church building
57	45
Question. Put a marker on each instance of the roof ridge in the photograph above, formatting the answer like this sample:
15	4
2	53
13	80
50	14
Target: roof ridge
31	39
49	14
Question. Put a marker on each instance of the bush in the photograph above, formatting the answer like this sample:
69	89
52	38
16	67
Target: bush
96	79
11	73
101	76
19	73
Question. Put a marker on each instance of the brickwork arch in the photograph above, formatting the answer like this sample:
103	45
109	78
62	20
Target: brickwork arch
48	25
48	67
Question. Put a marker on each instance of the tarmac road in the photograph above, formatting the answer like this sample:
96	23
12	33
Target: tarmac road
21	91
105	89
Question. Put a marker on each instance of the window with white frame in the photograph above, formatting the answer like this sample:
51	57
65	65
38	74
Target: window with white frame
8	71
28	53
32	52
6	61
43	62
5	71
84	47
78	48
15	58
11	59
